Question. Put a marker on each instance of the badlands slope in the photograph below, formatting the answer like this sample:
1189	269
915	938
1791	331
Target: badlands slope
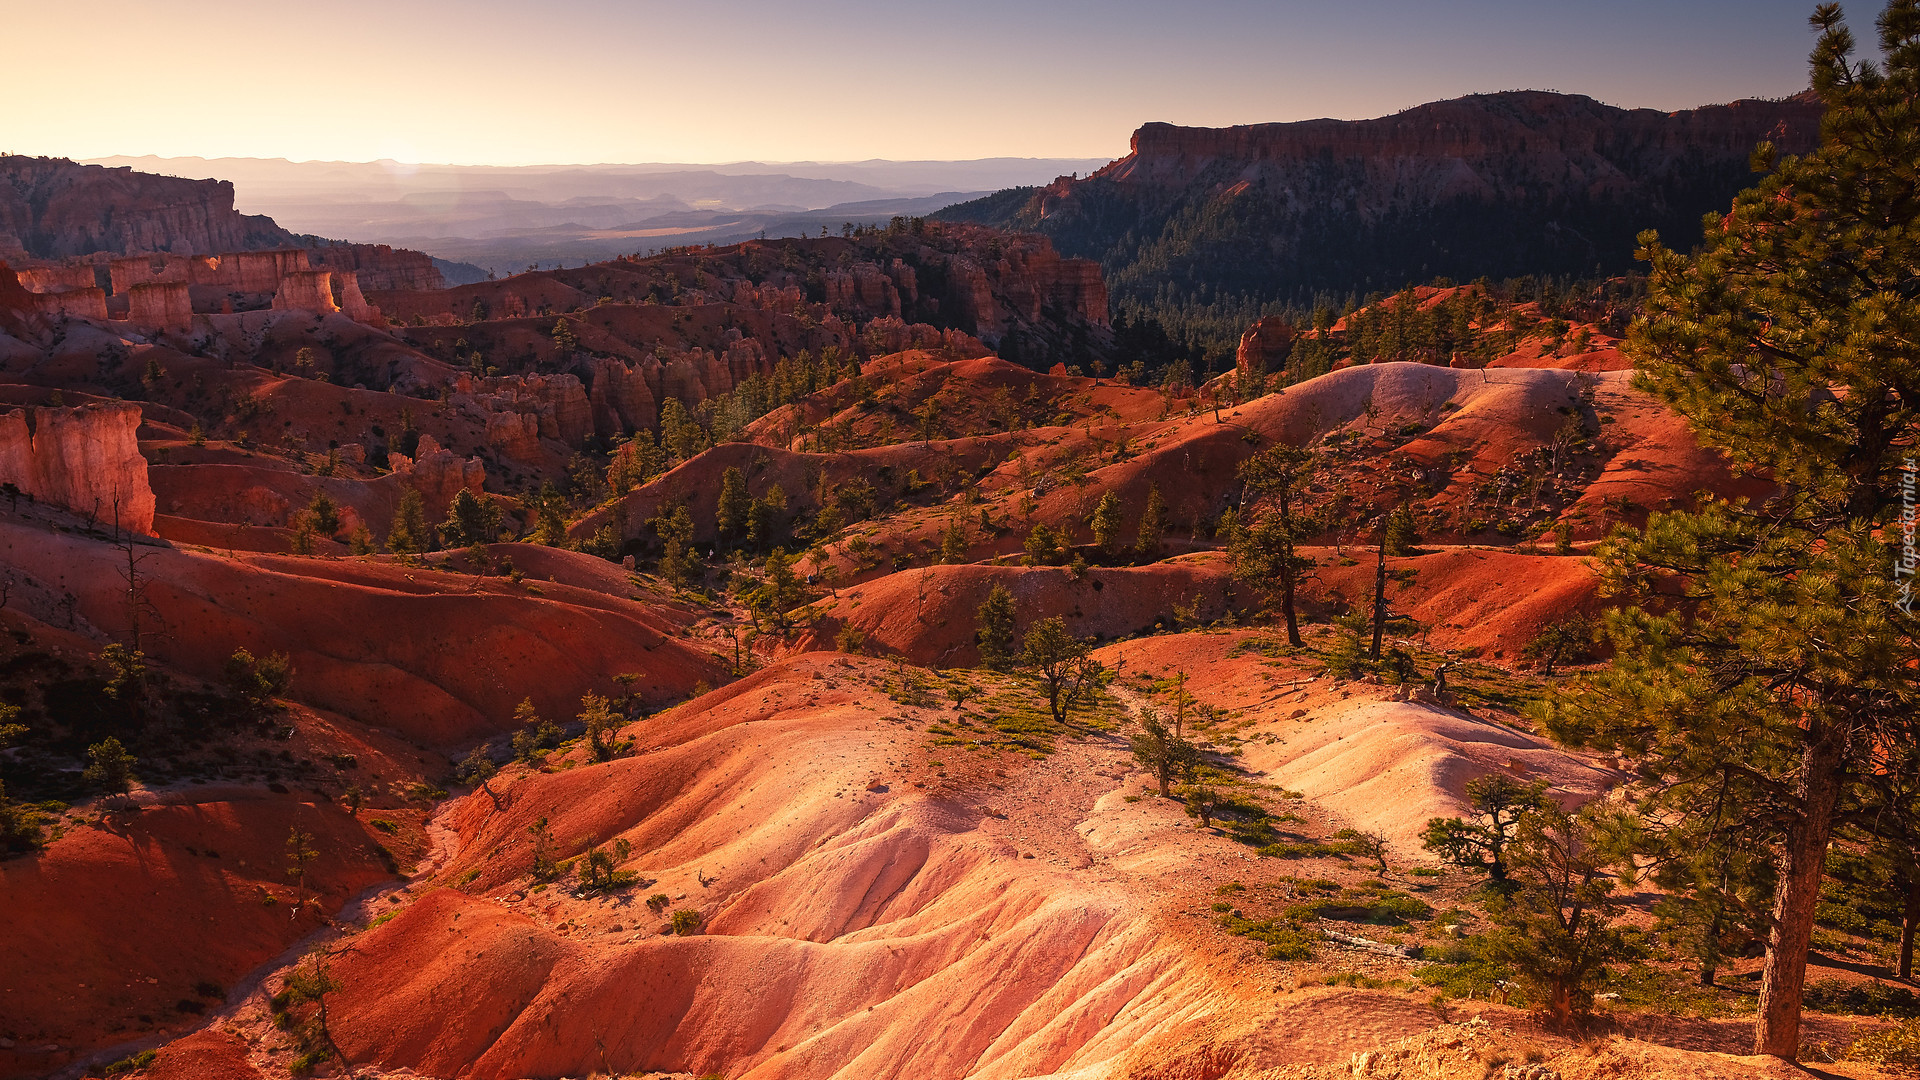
875	903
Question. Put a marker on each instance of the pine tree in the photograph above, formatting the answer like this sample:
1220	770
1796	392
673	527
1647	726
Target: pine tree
680	436
1264	553
953	542
536	733
549	516
1153	524
1760	705
324	513
1043	546
408	533
471	519
994	629
1106	523
1401	533
601	722
778	593
679	562
1062	662
1555	923
731	509
109	767
1156	747
1498	802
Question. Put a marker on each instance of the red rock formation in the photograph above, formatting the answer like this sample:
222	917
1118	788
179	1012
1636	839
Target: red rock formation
51	208
124	274
1501	140
54	277
346	290
84	458
438	474
252	271
863	287
306	290
380	267
88	303
621	397
17	305
161	305
1264	346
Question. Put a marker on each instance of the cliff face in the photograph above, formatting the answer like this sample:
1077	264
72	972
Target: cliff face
51	208
85	459
379	267
1485	145
168	229
1496	184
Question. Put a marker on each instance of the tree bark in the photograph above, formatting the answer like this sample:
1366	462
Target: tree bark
1911	917
1379	596
1783	979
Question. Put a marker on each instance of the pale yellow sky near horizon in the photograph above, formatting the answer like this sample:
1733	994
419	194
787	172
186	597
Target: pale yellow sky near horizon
488	82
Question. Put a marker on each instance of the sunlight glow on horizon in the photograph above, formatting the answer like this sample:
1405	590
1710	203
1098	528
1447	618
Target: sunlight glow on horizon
619	81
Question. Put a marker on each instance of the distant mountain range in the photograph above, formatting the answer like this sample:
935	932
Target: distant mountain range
1495	184
505	218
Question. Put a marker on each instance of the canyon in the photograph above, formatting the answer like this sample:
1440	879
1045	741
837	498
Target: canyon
639	668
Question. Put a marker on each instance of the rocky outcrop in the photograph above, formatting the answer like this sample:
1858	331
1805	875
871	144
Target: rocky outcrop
1264	346
521	410
864	287
1484	144
438	474
306	290
160	305
89	303
59	277
1493	184
86	459
347	294
52	208
378	267
173	231
621	397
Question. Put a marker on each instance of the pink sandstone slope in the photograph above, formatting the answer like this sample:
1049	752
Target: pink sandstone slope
440	657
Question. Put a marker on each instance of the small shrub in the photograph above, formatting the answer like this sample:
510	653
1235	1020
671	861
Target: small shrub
385	825
686	922
1284	938
1896	1048
1311	849
1862	999
130	1064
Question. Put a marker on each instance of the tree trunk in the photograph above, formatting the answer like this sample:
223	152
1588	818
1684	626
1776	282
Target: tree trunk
1287	569
1783	979
1912	916
1379	595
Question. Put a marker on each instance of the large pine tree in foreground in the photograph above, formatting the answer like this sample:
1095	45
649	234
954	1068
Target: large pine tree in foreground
1765	670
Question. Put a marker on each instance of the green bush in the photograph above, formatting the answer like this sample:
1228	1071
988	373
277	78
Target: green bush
130	1064
1284	938
1862	999
686	922
1311	849
1896	1047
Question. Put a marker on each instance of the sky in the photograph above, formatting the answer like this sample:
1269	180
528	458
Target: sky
577	81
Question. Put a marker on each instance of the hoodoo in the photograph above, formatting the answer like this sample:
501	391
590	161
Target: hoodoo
84	458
